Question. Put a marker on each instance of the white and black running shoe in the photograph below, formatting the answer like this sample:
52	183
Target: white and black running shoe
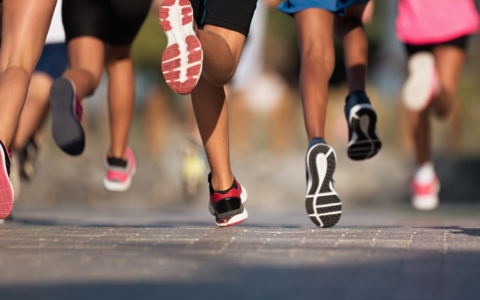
322	202
67	113
228	206
363	137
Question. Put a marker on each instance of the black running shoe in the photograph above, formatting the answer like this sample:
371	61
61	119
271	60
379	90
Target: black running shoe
66	116
228	206
322	202
362	135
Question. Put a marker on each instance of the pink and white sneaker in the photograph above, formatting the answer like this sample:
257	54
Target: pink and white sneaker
6	188
425	196
182	60
422	85
228	206
119	172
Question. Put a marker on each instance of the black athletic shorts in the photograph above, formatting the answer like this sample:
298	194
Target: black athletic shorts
460	42
116	22
235	15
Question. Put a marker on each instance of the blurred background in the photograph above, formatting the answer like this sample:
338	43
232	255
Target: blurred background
267	134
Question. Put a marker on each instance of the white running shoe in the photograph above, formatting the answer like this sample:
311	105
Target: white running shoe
422	84
182	60
321	201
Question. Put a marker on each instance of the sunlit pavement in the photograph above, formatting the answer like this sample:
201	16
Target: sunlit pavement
75	253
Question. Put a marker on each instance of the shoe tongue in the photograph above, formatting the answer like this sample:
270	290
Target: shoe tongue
117	162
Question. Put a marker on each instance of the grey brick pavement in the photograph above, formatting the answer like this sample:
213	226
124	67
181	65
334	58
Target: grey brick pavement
402	256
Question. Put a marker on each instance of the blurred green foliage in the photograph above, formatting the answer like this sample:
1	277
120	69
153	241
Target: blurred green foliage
149	45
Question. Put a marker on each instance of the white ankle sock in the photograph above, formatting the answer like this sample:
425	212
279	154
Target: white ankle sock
425	173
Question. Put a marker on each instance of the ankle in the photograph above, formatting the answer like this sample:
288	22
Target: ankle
117	154
221	182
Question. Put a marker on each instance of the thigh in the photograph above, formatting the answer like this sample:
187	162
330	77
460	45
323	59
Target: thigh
85	18
314	30
25	27
126	18
234	39
449	61
353	12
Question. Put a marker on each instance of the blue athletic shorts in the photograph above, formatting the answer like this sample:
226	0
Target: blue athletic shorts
54	60
338	7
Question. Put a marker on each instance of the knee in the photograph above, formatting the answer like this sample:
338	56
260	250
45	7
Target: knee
318	58
21	73
219	79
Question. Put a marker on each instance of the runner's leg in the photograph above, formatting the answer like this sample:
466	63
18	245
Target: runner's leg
25	26
86	56
209	101
449	61
314	30
35	109
121	97
349	29
419	125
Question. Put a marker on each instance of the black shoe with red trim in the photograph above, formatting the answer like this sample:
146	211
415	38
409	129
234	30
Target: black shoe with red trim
228	206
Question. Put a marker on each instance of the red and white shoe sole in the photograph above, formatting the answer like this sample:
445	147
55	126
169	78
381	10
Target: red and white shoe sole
182	60
6	189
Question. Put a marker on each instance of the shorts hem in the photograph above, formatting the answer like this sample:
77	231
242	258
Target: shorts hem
225	24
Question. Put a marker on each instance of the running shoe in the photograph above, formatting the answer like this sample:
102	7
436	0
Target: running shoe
182	60
6	188
228	206
322	202
422	84
119	172
66	116
27	159
425	192
362	134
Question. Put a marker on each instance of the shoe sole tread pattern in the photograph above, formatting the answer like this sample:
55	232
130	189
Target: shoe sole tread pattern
417	91
322	203
366	143
67	131
183	57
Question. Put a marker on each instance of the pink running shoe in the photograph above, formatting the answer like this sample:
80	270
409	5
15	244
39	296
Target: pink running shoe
228	206
182	60
6	188
119	172
425	196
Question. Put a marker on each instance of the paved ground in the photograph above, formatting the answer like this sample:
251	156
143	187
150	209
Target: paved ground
78	253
